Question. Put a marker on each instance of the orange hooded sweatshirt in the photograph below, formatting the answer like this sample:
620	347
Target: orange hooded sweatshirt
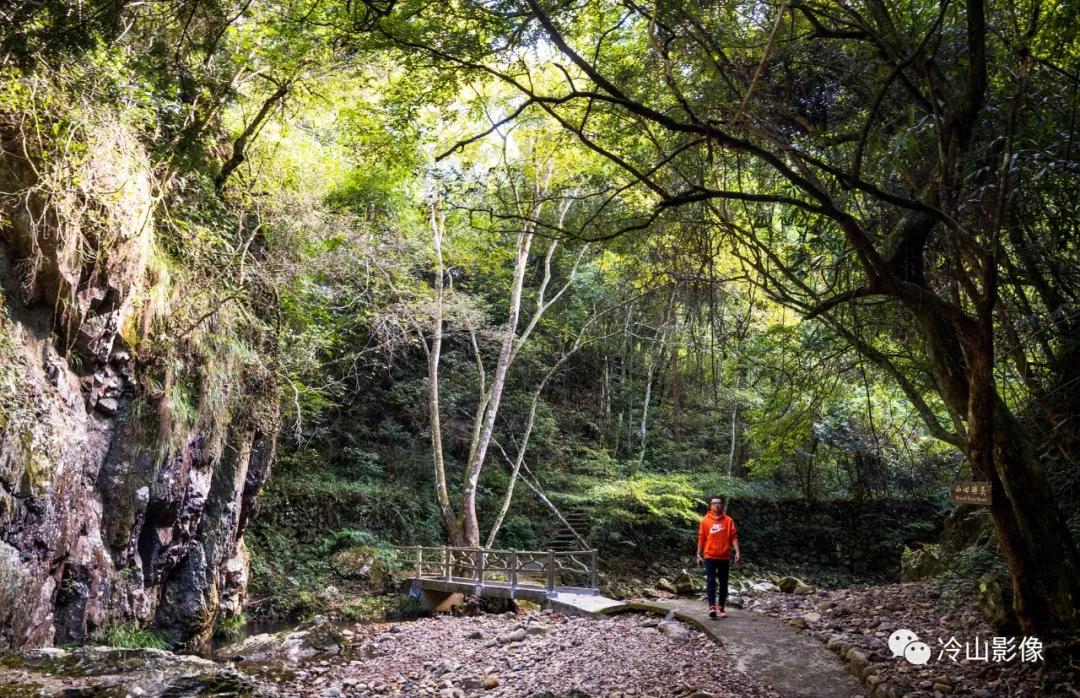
715	536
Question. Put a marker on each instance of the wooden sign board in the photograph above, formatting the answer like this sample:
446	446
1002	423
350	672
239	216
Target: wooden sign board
970	493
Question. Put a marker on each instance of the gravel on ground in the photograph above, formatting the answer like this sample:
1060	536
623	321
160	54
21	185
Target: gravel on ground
522	655
862	619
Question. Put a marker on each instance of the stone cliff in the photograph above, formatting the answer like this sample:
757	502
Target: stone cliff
131	451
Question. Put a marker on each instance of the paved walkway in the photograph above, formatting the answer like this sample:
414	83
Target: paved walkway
794	663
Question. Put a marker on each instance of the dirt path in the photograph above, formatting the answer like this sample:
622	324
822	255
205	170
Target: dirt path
766	649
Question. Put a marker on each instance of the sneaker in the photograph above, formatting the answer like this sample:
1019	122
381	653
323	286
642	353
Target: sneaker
712	611
722	613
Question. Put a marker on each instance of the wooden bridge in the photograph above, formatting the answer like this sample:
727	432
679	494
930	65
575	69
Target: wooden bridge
561	580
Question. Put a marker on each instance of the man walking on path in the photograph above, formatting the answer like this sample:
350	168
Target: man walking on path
716	539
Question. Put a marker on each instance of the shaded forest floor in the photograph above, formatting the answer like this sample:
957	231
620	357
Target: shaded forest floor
856	623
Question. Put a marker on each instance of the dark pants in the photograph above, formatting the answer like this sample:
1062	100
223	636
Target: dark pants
716	573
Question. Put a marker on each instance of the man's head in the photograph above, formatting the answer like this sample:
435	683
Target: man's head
716	505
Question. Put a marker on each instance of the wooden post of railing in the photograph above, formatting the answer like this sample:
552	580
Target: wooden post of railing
446	555
513	569
551	571
419	562
593	572
478	560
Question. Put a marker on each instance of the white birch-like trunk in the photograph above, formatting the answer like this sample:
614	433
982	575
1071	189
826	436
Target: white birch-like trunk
434	353
734	423
524	443
471	522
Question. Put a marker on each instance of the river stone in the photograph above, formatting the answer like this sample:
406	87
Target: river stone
924	563
857	660
316	637
673	629
664	585
684	584
993	594
516	636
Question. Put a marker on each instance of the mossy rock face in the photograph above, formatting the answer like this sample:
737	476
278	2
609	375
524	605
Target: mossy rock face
993	593
965	526
109	671
316	637
924	563
361	563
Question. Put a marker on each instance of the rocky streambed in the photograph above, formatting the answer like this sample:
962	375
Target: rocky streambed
531	654
857	623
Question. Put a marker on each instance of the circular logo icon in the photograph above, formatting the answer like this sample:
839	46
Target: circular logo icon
917	652
901	639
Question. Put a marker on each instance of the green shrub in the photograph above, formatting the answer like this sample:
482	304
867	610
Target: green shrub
976	560
230	627
366	608
130	636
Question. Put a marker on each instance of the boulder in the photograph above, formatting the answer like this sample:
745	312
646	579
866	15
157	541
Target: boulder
857	660
924	563
674	629
684	584
966	526
664	585
993	594
788	584
316	637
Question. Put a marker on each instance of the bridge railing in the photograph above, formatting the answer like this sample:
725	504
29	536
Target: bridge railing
517	568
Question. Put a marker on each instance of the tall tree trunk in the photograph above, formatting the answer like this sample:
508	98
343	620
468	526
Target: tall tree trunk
523	446
644	425
239	153
734	424
676	404
1037	546
442	496
471	525
643	428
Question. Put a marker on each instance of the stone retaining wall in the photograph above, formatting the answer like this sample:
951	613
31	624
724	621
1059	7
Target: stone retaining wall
862	537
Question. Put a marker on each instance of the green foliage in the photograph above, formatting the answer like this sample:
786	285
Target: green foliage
230	628
299	292
519	532
976	560
131	636
368	608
